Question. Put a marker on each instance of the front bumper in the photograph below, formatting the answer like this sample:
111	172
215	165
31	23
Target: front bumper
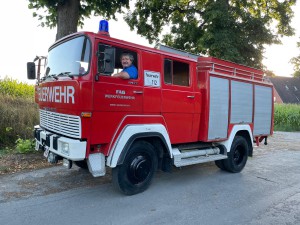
68	148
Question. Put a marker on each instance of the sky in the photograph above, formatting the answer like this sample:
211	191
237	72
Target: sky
22	39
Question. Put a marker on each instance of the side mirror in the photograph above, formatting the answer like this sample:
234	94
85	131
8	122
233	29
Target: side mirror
106	59
31	71
109	59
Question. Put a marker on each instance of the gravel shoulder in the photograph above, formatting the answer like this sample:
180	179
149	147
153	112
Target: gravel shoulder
14	163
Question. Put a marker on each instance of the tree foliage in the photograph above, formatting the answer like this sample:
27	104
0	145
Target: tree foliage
269	73
235	30
296	62
67	15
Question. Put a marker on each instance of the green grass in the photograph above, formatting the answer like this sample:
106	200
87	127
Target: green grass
15	88
287	117
19	114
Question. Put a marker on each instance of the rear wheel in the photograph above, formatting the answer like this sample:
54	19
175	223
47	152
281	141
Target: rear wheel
136	172
238	155
220	164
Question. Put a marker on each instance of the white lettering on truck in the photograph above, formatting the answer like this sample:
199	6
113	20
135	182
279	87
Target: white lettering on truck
58	94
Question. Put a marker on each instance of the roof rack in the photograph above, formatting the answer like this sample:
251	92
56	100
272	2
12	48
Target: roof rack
177	51
223	67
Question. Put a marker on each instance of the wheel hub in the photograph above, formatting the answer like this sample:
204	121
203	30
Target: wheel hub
238	156
139	169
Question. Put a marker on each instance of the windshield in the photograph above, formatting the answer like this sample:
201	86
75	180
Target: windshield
71	58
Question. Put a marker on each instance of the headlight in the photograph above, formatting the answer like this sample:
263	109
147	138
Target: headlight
65	148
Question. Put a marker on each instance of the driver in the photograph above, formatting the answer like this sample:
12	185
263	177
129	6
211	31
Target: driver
129	70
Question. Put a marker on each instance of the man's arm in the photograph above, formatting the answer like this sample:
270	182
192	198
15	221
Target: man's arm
123	75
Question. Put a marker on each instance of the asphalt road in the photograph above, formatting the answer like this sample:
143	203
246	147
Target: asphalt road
267	191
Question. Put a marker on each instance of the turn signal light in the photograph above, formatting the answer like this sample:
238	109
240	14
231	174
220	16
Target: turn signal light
86	114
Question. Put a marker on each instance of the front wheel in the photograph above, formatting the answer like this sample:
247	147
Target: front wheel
82	164
136	173
238	155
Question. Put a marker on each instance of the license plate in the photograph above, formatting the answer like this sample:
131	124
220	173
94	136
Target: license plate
46	152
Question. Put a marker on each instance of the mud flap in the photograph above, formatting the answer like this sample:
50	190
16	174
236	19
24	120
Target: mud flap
96	164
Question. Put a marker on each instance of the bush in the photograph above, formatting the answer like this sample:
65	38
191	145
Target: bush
14	88
25	146
287	117
19	112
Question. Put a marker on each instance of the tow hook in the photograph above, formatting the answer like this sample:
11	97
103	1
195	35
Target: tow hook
52	158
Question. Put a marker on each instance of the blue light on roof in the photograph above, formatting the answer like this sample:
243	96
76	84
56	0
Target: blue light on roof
103	26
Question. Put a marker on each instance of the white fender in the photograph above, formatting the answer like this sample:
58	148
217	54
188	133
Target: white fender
234	130
128	132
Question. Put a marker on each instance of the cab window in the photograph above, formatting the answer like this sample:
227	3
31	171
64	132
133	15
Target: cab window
176	73
109	59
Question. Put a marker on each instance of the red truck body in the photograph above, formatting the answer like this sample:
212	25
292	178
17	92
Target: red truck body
180	103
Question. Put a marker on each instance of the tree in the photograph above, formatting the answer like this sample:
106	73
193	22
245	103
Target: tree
234	30
296	62
67	15
269	73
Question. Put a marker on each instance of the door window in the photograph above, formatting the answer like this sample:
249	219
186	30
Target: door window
176	73
109	59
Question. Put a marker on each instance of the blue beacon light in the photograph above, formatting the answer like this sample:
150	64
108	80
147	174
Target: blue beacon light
103	27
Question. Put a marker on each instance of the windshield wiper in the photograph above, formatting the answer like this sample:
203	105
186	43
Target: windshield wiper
49	76
55	76
67	74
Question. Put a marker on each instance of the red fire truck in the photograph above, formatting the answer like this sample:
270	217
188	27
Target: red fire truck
183	109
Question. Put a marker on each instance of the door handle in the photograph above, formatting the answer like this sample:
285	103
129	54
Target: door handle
137	92
191	96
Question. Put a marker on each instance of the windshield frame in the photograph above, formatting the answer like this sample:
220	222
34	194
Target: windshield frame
86	54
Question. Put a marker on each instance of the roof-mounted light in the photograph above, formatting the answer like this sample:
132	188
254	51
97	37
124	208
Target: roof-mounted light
103	27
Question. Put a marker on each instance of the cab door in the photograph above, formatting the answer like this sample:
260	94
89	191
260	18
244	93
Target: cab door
114	98
178	100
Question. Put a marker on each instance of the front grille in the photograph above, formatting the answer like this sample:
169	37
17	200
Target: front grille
59	123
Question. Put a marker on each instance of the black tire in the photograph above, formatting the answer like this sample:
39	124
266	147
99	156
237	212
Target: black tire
238	155
135	174
220	164
82	164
